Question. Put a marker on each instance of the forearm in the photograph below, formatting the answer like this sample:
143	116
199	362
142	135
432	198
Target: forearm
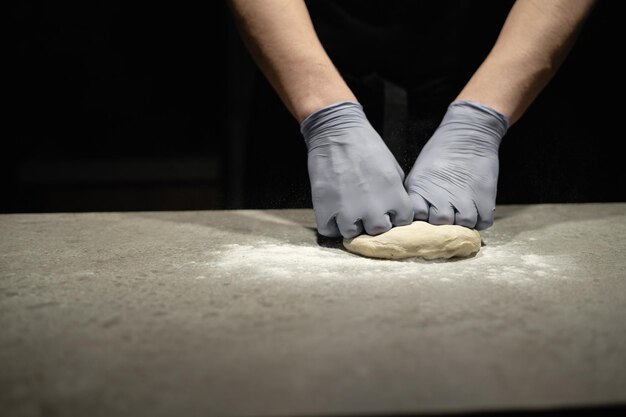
283	42
534	41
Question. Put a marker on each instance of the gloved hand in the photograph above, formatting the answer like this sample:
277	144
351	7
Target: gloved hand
356	182
455	176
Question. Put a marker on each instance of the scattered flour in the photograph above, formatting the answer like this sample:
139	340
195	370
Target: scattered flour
508	263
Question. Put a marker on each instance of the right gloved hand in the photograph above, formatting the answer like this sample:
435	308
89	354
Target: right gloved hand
455	177
356	182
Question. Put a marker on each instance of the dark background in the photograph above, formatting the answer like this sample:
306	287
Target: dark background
151	106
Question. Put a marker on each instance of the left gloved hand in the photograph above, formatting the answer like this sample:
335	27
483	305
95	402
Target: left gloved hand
455	177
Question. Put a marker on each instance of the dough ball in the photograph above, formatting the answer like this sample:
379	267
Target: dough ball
419	239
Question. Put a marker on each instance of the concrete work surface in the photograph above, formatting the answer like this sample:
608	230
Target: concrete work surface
249	313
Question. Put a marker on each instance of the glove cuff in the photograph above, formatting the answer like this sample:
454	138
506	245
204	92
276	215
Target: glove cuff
489	118
335	116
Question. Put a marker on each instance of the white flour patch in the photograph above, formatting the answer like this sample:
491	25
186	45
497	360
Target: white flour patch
287	260
512	263
535	261
265	260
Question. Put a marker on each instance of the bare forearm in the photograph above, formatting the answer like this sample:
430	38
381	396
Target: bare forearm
282	40
534	41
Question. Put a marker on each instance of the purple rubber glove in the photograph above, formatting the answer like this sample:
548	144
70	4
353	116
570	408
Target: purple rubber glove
455	177
356	183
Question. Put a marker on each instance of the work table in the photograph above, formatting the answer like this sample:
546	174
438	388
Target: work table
251	313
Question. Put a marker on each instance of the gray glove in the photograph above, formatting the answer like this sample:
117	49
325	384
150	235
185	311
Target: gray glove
455	177
356	182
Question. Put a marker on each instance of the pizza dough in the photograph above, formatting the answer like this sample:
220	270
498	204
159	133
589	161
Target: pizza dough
418	239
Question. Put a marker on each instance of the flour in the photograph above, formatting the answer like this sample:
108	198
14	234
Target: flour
281	261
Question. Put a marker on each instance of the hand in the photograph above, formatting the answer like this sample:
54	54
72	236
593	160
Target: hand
356	182
455	177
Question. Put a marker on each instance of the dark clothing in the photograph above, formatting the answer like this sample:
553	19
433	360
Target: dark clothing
405	60
406	43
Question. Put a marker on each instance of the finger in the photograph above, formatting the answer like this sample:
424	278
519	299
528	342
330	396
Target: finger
485	215
328	228
465	215
441	214
349	227
403	213
420	207
486	221
377	224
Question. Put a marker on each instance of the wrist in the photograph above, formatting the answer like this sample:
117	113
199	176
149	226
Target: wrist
311	90
507	85
313	101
